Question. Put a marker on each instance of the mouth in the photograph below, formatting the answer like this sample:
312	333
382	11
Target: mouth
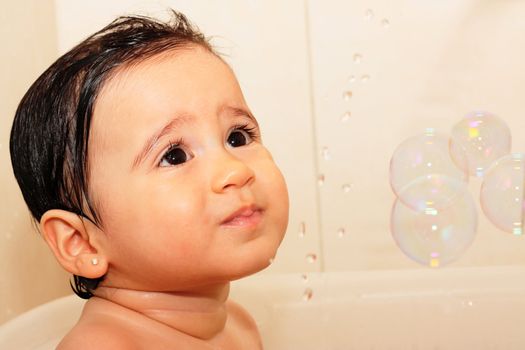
246	216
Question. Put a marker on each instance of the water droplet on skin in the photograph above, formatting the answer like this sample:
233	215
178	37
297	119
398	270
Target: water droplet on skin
357	58
385	23
346	117
369	14
320	180
341	232
365	78
302	229
325	153
347	95
347	187
311	258
308	294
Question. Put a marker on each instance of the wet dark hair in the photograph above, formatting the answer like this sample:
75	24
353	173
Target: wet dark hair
50	132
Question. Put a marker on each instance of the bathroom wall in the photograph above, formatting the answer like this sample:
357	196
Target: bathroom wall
29	273
336	87
409	65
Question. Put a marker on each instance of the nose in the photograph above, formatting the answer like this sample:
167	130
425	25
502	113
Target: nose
231	172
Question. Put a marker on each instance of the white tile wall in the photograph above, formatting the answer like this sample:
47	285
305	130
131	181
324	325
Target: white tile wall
29	274
409	65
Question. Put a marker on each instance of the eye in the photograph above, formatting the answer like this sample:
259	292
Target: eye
175	155
242	135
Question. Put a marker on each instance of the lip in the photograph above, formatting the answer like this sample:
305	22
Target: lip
246	216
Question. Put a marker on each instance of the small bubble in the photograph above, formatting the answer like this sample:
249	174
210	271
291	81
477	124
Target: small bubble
347	95
311	258
302	229
347	187
351	78
320	180
385	23
346	117
308	294
357	58
369	14
467	303
341	232
325	153
304	277
365	78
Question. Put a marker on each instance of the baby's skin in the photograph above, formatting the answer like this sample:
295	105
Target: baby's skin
189	200
124	319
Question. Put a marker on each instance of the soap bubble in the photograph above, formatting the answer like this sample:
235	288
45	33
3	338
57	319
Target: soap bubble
425	156
432	191
435	237
502	193
483	138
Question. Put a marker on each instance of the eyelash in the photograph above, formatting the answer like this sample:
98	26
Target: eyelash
252	133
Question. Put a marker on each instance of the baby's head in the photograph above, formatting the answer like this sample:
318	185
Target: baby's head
143	165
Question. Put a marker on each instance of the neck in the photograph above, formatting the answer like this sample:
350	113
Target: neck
201	314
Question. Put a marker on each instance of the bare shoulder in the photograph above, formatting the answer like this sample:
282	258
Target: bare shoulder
99	327
100	336
244	324
240	315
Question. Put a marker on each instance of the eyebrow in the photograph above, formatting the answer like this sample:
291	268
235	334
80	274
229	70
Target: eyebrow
237	112
184	119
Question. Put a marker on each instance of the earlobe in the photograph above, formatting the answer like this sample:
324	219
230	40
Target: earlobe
69	239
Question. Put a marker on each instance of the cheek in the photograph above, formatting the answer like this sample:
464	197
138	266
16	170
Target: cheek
274	186
159	225
150	208
283	203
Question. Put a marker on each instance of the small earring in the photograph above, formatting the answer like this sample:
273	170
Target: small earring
94	261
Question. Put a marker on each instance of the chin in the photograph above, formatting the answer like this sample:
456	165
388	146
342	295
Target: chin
252	262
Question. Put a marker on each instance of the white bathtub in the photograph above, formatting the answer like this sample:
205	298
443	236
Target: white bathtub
451	308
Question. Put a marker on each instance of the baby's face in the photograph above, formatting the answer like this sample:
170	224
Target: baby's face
174	155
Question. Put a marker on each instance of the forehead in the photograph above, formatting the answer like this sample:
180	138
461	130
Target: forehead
144	95
177	78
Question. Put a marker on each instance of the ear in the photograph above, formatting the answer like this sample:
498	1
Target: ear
69	239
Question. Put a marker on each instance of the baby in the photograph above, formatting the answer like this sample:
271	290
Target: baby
144	167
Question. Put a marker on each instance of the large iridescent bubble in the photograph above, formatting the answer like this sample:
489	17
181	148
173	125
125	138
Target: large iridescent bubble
483	138
417	168
436	236
502	193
